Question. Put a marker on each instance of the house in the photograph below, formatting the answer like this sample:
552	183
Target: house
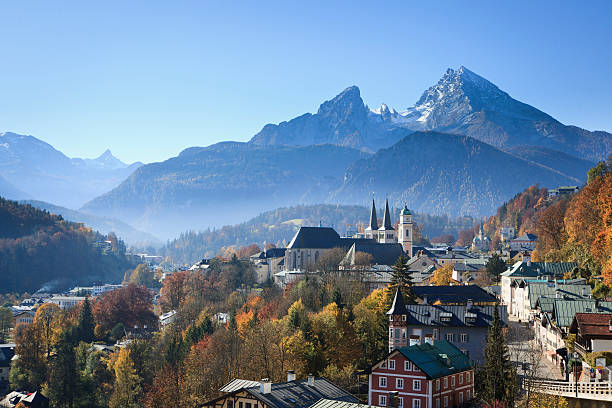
65	302
562	190
167	318
506	233
267	263
7	352
454	295
23	316
434	374
380	254
29	400
528	291
291	394
525	242
469	271
465	326
593	332
530	270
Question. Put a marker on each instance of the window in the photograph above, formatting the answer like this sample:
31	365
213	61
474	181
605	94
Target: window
240	405
399	383
403	318
391	333
467	395
248	405
230	403
461	397
416	385
382	382
453	381
438	385
467	377
400	402
449	336
384	364
445	382
391	364
445	402
382	400
461	378
437	402
465	338
407	365
436	334
416	403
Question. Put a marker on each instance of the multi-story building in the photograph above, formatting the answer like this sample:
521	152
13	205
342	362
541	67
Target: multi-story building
435	374
465	326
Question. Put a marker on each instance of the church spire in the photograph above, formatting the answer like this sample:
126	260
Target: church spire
386	224
373	219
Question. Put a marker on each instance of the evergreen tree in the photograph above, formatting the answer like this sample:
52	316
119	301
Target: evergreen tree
401	277
495	266
498	378
86	322
62	384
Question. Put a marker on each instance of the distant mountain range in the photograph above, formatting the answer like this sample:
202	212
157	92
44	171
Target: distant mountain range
462	102
9	191
44	173
103	225
463	148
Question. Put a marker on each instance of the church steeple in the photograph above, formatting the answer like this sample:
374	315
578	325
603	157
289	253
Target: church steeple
386	218
398	321
371	230
386	233
373	219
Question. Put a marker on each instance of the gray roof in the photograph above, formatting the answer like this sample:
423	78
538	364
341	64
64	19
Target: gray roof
298	394
468	267
453	294
238	384
382	254
327	403
322	238
526	237
429	315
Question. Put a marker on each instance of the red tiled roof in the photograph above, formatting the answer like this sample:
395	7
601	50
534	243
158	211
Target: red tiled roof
592	324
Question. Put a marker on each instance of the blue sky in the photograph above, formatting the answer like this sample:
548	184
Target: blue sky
148	79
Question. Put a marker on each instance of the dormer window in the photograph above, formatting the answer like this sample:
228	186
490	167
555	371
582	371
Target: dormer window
403	318
470	318
445	317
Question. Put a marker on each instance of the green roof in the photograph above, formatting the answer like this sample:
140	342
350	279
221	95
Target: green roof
546	304
564	310
437	360
535	269
549	290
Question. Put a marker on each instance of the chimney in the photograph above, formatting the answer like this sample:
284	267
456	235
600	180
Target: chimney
424	299
290	375
393	399
265	387
429	339
311	380
583	291
470	304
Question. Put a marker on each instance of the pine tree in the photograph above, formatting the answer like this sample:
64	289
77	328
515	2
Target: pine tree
498	377
86	322
62	383
401	277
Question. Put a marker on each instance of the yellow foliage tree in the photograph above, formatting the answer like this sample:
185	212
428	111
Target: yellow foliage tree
49	319
443	276
127	389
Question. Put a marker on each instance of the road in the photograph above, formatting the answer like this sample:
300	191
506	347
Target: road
523	349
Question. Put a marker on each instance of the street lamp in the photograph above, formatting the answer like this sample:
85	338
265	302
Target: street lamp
576	359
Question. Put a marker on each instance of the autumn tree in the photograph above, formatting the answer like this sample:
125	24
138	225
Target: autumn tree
142	275
29	371
443	276
49	318
127	390
130	306
550	228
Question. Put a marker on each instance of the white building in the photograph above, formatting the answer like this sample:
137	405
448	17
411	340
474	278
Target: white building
66	302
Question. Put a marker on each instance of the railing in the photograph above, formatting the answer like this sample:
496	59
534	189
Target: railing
601	391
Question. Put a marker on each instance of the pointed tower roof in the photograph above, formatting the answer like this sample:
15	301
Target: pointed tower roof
386	224
373	220
398	307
